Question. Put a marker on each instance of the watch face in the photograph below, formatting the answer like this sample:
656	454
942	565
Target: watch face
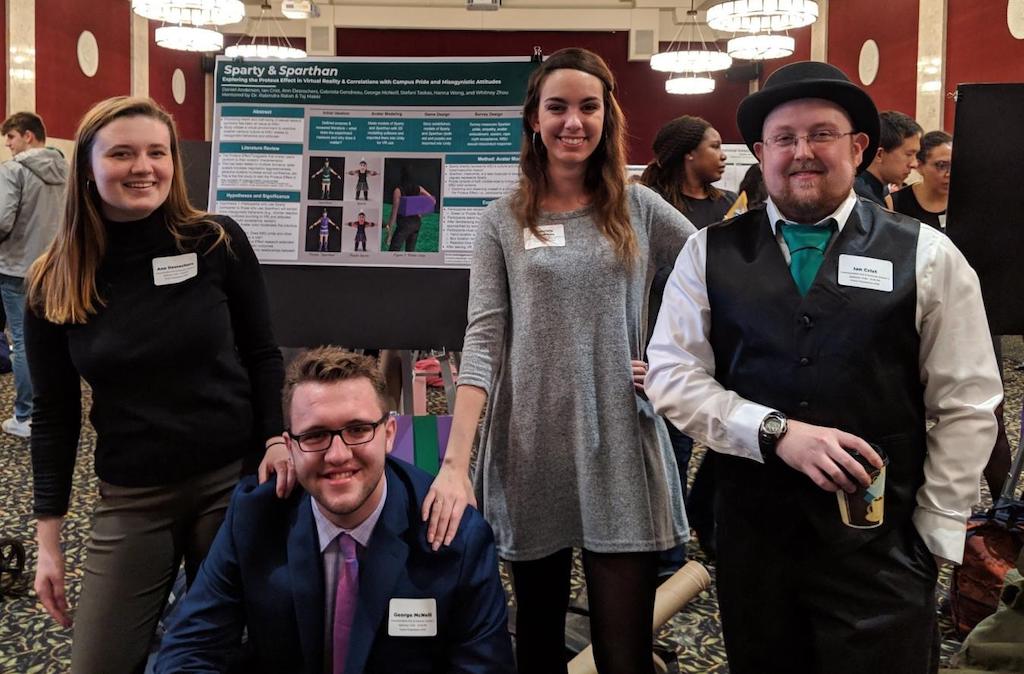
773	425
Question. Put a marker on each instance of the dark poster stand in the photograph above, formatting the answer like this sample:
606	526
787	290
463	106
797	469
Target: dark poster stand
985	217
356	307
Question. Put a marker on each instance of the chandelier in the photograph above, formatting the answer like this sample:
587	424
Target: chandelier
762	16
690	84
691	61
761	47
191	12
274	46
189	38
687	58
186	21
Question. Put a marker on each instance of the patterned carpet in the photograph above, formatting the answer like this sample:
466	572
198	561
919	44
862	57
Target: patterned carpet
32	643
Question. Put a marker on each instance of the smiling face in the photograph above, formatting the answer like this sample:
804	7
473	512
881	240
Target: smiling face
345	482
808	182
131	164
570	117
708	163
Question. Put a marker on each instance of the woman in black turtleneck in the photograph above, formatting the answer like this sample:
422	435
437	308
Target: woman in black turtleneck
161	309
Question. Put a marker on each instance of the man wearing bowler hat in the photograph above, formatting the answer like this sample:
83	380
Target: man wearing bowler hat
821	344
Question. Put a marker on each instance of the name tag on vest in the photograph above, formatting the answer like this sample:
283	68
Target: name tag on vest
865	272
175	269
412	618
554	235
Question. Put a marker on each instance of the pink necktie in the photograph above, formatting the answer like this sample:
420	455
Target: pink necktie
345	597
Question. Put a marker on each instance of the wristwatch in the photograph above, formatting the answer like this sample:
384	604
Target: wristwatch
773	428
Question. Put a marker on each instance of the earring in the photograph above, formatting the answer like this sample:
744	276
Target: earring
534	141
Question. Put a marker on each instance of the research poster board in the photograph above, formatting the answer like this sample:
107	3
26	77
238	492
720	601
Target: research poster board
364	162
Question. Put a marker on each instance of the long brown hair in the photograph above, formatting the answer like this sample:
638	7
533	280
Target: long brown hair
605	177
62	282
667	173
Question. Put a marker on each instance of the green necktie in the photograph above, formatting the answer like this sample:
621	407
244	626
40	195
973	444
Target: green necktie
807	245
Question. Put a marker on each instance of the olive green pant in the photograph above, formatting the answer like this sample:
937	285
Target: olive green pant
139	537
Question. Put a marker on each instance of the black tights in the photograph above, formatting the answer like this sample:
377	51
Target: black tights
620	591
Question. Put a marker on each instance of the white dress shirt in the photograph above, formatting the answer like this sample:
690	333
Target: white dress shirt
961	381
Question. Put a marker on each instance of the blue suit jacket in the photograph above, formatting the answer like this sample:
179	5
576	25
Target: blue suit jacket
265	572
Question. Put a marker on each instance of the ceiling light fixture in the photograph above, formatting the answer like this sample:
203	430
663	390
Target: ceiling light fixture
191	12
761	47
690	84
687	58
189	38
274	46
762	16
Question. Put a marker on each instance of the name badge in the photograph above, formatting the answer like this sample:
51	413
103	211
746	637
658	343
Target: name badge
554	235
412	618
865	272
175	269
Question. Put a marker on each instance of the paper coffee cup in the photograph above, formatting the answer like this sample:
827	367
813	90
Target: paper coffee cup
865	508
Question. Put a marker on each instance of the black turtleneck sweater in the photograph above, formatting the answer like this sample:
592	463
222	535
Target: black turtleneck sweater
186	377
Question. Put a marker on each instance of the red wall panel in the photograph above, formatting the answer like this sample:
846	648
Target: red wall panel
979	48
894	27
801	52
63	92
641	90
190	116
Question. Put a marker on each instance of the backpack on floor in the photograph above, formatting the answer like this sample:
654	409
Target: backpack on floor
994	542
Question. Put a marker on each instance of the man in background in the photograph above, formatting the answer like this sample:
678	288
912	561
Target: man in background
32	188
898	144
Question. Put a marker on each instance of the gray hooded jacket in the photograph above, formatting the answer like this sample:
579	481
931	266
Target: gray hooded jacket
32	188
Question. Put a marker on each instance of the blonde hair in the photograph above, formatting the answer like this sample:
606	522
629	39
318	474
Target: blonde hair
605	177
62	282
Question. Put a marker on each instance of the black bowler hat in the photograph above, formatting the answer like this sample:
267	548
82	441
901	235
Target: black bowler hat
810	79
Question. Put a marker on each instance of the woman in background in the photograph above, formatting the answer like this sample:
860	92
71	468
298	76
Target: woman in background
926	200
688	160
570	454
753	193
161	309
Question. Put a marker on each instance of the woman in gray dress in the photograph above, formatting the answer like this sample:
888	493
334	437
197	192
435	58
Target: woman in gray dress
571	453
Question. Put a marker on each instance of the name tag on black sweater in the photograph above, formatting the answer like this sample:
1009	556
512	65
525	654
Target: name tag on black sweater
175	269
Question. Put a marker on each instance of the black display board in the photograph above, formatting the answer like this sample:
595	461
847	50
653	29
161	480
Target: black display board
356	307
985	217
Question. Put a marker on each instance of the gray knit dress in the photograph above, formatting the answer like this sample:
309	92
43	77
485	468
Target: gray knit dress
570	456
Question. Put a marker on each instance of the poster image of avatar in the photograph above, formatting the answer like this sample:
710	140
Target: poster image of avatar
361	225
323	229
326	178
411	205
363	179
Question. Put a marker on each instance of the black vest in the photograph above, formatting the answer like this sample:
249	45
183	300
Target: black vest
840	356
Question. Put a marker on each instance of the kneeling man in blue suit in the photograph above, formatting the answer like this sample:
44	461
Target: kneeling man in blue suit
338	578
